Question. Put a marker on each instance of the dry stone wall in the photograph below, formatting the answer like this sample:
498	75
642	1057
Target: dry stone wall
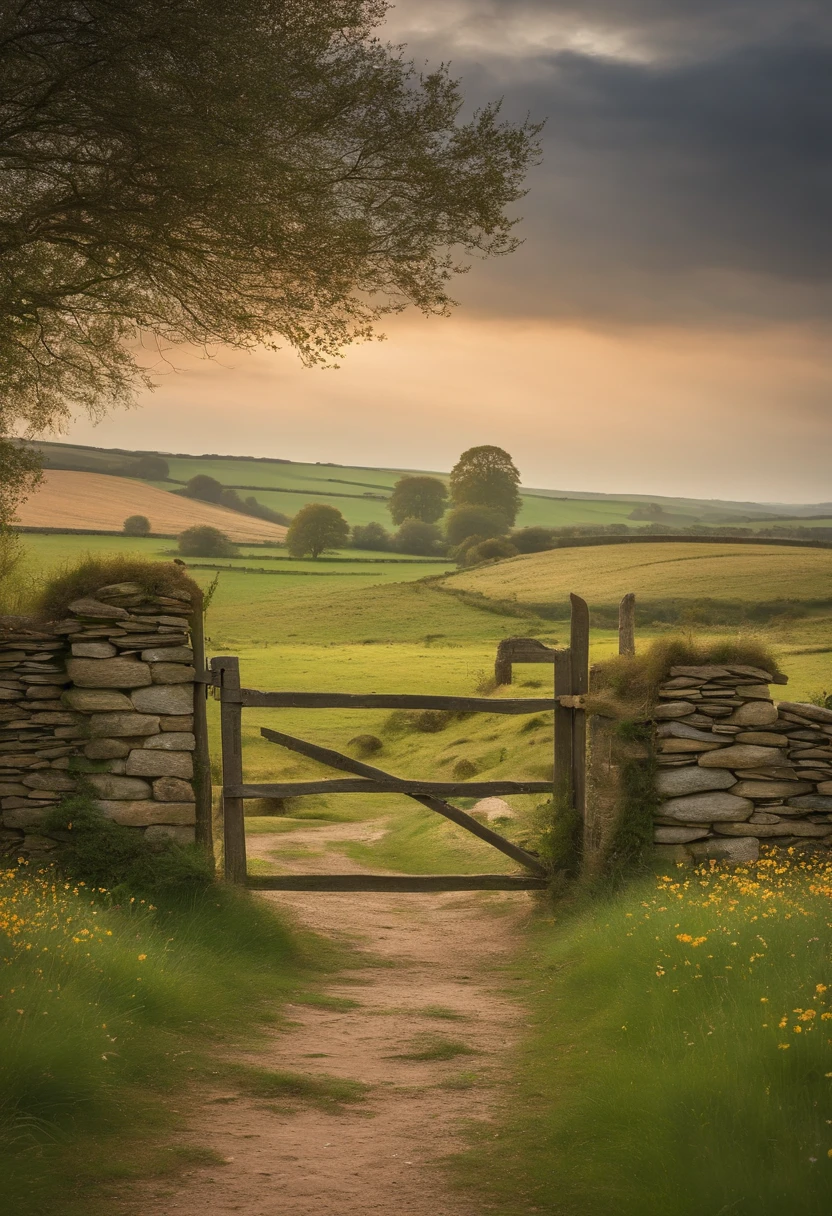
736	770
109	689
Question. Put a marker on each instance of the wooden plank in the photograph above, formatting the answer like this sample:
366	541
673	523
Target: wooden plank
227	668
362	785
564	722
412	883
346	764
202	758
344	700
579	645
627	625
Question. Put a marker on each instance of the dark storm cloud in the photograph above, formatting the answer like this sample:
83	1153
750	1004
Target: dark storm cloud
691	182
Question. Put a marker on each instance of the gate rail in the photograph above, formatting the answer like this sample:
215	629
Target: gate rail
570	687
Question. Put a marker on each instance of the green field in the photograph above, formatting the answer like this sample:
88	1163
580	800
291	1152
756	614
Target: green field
359	492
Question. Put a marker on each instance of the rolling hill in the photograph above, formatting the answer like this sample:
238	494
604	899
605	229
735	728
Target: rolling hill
100	502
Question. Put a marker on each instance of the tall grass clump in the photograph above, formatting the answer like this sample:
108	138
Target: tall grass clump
107	1004
84	577
681	1052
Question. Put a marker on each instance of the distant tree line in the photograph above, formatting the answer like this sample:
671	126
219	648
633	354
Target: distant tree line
208	489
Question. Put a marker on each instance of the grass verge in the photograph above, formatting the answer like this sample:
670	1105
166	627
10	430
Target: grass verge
680	1054
107	1010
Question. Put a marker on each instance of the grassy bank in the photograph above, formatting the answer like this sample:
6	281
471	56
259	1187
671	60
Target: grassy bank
108	1013
679	1058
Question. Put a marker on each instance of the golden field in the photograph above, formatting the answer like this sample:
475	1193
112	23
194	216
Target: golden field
94	500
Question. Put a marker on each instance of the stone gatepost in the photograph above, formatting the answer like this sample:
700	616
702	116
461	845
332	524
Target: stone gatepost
112	684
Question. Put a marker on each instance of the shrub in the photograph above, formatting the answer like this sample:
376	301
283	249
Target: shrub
431	721
96	851
421	498
136	525
533	540
366	745
315	528
468	521
489	551
206	489
157	578
415	536
371	536
463	770
205	541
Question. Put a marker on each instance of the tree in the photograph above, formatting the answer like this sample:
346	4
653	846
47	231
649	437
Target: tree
370	536
466	521
316	527
136	525
487	476
206	489
416	536
20	473
149	468
209	173
204	541
422	498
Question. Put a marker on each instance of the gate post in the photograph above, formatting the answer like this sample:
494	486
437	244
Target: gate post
627	625
564	721
202	759
579	646
227	668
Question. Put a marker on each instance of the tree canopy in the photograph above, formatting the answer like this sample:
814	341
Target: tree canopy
136	525
203	172
205	488
487	476
422	498
417	536
316	527
469	520
202	540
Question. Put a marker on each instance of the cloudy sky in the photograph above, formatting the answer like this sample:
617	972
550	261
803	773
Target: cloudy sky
666	326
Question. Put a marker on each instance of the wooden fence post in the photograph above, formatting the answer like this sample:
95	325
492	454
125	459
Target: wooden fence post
579	647
564	722
627	625
227	668
202	758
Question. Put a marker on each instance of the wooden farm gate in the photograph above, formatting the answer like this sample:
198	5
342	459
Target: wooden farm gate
571	680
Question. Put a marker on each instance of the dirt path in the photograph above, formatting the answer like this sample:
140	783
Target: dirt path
437	952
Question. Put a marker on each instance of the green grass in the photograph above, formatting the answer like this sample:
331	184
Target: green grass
107	1012
428	1048
662	1072
321	1089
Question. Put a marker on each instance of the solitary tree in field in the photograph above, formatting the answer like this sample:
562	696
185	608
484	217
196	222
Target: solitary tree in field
136	525
316	527
422	498
203	172
487	476
204	541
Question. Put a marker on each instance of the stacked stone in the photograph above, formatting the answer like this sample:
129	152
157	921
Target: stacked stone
38	733
734	769
121	695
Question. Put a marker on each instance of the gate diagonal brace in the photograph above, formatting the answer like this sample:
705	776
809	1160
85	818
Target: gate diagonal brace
337	760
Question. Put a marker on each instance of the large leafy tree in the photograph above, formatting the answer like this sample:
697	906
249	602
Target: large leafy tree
316	527
203	172
422	498
487	476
